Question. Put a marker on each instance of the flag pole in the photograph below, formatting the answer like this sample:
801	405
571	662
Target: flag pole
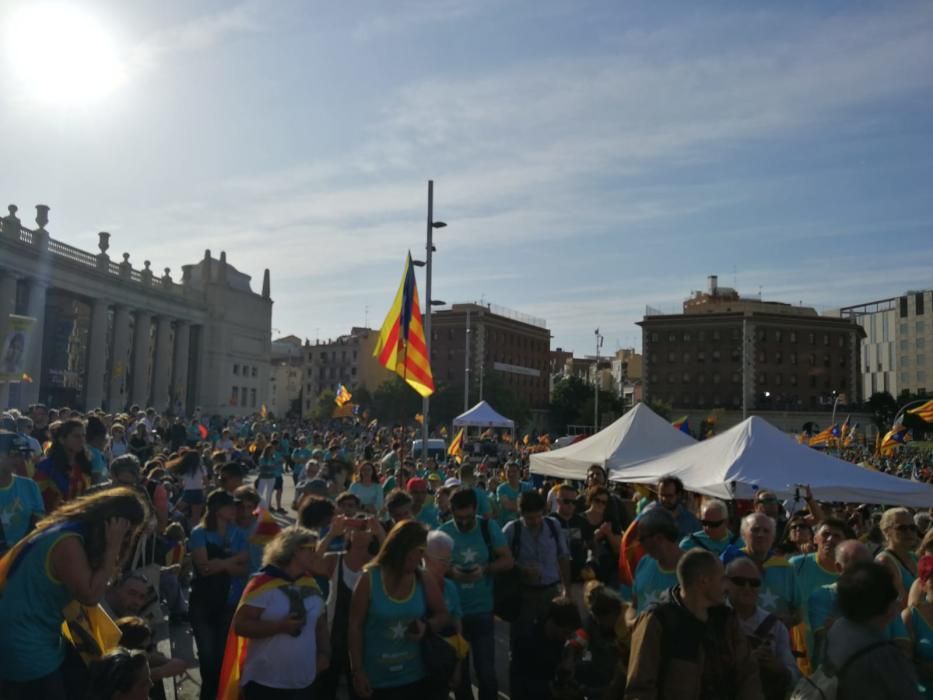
429	249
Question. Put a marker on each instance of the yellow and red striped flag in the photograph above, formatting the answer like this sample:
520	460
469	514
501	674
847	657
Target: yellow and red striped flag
924	412
456	445
402	347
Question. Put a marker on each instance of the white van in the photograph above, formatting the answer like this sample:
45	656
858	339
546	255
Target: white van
437	449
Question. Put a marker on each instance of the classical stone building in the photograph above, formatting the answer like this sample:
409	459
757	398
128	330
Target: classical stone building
109	335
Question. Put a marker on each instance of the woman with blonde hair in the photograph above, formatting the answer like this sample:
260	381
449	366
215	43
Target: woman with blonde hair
283	616
390	602
70	557
901	536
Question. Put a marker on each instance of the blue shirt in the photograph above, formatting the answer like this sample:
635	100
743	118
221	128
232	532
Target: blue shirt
702	540
390	658
779	582
370	495
470	550
31	643
233	542
650	582
483	504
506	490
20	502
98	464
546	548
427	516
452	599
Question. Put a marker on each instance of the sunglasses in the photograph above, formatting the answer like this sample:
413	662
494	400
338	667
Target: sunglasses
767	500
745	581
712	523
907	527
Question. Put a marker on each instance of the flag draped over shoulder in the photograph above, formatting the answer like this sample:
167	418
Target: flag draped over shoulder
266	527
237	647
924	412
402	347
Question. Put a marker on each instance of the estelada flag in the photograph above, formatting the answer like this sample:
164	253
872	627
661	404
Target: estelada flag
630	552
456	445
924	412
237	648
682	424
266	527
343	396
202	431
402	347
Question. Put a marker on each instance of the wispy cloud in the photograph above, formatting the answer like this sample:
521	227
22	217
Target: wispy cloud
415	14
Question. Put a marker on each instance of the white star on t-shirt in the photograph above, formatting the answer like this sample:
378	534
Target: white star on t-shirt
469	555
768	600
398	630
652	598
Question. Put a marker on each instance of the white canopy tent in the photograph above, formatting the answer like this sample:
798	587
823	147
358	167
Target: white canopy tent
638	435
756	455
482	415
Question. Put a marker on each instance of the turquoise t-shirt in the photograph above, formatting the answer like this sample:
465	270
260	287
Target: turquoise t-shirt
702	540
470	550
427	516
300	457
370	495
31	643
98	464
483	504
809	577
234	541
20	500
390	659
506	516
452	599
650	582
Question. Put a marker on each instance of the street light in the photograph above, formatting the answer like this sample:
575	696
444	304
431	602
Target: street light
599	344
429	249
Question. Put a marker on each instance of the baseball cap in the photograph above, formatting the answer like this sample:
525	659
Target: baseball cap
11	443
452	481
416	483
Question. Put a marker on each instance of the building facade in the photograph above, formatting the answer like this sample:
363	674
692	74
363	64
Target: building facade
348	360
471	342
106	334
728	352
285	376
897	354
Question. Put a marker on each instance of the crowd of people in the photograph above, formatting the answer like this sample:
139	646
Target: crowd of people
390	576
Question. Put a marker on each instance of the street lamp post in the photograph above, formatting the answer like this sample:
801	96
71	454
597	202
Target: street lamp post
466	366
599	343
428	302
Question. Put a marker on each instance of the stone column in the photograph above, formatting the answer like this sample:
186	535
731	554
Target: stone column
180	366
162	374
117	389
140	395
96	356
38	290
7	307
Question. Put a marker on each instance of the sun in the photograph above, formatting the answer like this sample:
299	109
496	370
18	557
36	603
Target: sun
61	55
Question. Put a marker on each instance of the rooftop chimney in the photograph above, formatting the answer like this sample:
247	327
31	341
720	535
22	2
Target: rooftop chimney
266	284
713	283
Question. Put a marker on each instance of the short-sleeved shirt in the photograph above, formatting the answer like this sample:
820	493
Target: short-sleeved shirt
483	504
701	540
809	576
470	550
650	582
20	502
233	541
506	490
546	547
427	516
452	599
573	531
283	661
369	495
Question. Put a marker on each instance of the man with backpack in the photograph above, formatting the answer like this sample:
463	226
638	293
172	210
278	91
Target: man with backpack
480	551
690	645
865	663
542	555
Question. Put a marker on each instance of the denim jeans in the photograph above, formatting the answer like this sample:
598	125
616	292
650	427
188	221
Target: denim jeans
479	631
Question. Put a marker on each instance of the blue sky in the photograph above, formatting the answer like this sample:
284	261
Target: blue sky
589	157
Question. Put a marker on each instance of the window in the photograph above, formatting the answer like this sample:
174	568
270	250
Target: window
793	336
686	378
716	335
736	355
793	358
762	356
812	337
236	369
904	360
762	378
701	379
903	345
343	355
920	327
736	378
686	337
826	360
903	307
813	381
918	303
672	338
778	380
736	334
686	357
353	371
701	336
235	396
252	394
763	335
842	341
777	336
715	379
778	358
920	343
793	380
825	339
355	353
811	360
715	355
671	357
243	397
671	379
655	338
255	371
701	356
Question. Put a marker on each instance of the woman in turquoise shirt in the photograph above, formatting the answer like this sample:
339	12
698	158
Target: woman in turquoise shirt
387	612
70	556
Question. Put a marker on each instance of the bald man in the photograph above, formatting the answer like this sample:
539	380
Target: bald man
822	609
715	536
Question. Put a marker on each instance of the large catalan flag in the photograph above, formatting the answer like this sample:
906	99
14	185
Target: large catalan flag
825	438
456	446
894	438
924	412
402	347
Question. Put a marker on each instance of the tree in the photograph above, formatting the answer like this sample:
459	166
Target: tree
326	403
662	408
883	408
394	401
567	400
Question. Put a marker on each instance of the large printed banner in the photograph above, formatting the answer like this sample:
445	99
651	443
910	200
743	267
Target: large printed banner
13	350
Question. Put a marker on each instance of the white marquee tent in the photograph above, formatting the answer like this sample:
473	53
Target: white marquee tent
638	435
756	455
482	415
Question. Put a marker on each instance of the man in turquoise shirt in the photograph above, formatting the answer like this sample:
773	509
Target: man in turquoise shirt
422	511
20	501
480	550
